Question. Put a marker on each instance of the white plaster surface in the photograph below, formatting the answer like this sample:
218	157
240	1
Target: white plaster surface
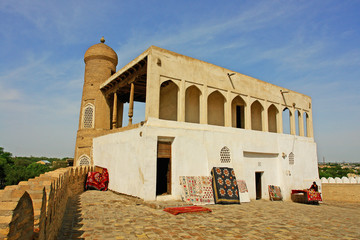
131	157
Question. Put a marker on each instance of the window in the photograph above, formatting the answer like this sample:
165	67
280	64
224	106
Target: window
88	117
291	158
84	160
225	155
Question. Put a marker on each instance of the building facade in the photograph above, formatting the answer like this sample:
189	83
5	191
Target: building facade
197	116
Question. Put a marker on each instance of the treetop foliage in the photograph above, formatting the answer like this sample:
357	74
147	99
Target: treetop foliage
16	169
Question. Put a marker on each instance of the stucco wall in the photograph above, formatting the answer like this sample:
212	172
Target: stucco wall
131	155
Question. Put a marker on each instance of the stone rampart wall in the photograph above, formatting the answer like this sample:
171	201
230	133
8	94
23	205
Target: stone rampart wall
341	192
34	209
345	189
341	180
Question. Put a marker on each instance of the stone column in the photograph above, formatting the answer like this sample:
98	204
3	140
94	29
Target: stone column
181	102
114	116
292	122
248	114
301	123
310	129
203	105
279	120
227	110
131	104
265	117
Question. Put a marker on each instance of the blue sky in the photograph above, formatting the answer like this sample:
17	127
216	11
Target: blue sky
310	47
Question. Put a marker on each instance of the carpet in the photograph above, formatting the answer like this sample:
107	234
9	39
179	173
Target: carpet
243	191
225	189
189	209
275	193
196	189
97	180
313	196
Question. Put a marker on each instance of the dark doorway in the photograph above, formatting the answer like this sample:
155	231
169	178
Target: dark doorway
163	169
238	117
163	176
258	184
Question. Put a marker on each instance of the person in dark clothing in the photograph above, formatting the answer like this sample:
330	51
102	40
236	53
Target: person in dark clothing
314	187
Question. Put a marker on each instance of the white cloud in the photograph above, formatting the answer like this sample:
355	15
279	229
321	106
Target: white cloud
8	94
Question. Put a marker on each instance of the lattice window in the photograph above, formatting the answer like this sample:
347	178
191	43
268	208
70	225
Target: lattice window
84	160
225	155
88	117
291	158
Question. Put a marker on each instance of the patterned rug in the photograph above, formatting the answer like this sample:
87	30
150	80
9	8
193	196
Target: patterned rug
189	209
197	190
275	193
313	196
242	186
243	191
225	186
97	180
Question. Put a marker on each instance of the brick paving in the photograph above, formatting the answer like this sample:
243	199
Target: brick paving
106	215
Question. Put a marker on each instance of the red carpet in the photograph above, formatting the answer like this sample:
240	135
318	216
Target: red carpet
189	209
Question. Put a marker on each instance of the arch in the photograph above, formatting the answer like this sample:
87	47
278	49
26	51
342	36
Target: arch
84	160
216	107
272	118
238	112
286	116
306	124
297	122
88	116
168	101
192	104
256	115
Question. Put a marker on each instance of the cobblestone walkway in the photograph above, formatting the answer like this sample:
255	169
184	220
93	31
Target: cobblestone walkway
106	215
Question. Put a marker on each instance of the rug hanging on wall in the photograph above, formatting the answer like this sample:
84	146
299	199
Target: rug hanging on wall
243	191
225	187
197	189
97	180
275	193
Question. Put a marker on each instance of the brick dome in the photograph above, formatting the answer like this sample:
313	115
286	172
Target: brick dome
101	51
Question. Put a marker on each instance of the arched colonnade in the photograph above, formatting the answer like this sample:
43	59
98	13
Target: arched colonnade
186	102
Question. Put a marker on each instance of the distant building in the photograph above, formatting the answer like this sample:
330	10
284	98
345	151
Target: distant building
197	116
70	162
44	162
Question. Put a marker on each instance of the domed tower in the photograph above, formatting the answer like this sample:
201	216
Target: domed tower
100	63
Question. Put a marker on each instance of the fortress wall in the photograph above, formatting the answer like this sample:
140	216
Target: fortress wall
341	192
40	203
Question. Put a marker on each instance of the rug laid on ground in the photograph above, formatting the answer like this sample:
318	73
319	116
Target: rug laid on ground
197	189
97	180
188	209
224	185
243	191
275	193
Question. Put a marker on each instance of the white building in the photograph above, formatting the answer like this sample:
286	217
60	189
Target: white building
197	116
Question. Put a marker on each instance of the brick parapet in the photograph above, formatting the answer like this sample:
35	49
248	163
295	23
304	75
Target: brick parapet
40	203
341	192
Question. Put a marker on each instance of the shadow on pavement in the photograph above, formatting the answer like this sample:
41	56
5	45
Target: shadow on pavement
71	224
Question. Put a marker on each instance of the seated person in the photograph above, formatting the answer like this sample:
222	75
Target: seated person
314	187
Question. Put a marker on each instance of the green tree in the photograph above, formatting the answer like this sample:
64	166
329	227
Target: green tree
5	160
